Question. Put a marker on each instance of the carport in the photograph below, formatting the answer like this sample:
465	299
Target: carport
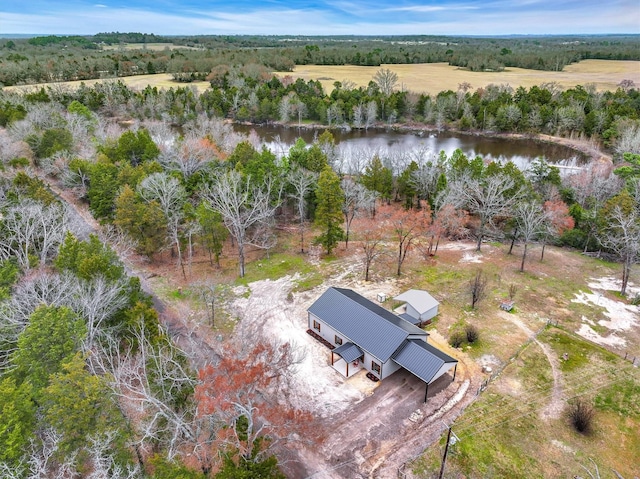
424	361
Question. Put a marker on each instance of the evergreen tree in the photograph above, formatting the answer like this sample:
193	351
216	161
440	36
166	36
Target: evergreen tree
378	178
329	213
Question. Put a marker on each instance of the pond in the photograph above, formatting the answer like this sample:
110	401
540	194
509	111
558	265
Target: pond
393	144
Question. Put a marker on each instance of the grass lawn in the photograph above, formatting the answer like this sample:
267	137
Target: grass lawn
502	434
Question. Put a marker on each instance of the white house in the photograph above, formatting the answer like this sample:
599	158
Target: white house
420	307
366	335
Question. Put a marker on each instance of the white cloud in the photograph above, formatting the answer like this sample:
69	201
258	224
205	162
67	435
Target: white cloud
459	19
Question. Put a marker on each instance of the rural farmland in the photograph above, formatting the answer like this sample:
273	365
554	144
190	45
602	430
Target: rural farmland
183	297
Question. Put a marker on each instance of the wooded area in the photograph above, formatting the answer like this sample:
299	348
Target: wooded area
64	58
89	379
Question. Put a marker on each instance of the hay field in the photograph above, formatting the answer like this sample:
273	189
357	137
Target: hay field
436	77
148	46
421	78
138	82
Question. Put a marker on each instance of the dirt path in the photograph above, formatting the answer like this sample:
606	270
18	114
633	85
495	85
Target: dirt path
363	429
554	408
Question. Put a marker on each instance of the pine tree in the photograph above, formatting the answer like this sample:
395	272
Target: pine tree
329	213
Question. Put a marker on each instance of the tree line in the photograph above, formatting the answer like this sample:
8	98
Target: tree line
90	381
65	58
251	94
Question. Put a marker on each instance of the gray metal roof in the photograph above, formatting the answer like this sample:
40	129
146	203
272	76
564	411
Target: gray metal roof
349	352
368	325
422	359
408	317
419	299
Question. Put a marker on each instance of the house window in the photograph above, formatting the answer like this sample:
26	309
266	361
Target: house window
375	367
316	325
338	340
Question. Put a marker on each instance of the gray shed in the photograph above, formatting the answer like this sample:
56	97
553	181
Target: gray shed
420	306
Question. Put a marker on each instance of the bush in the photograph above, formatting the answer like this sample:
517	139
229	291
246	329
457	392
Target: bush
581	416
19	162
456	339
471	333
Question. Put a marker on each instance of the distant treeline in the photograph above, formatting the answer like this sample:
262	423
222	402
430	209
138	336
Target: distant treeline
252	94
64	58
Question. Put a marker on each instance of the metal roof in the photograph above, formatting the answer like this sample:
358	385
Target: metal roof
349	352
408	317
421	359
366	324
420	300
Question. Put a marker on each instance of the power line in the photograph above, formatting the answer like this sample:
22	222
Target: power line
536	397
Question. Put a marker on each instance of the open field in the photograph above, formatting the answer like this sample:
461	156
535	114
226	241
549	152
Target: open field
421	78
436	77
160	80
504	433
148	46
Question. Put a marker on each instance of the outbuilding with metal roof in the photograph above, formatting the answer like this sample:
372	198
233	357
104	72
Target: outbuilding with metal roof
368	336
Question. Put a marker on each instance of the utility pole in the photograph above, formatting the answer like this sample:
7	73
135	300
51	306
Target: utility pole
444	458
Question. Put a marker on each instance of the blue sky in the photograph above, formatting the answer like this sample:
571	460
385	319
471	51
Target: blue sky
315	17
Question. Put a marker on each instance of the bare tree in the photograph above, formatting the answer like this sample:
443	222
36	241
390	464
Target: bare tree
188	156
357	199
41	288
44	463
358	115
32	229
386	81
285	107
10	148
299	108
217	130
407	227
302	182
101	456
425	179
622	236
334	114
530	218
478	288
97	301
149	379
369	232
629	140
171	196
244	209
371	114
486	198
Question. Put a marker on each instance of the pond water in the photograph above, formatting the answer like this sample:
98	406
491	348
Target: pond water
390	143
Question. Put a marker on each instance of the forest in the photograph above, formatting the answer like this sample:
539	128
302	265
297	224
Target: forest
105	55
91	383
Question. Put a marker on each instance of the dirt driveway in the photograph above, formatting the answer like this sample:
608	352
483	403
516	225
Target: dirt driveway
368	430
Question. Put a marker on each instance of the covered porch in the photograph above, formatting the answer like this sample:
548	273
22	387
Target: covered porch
347	359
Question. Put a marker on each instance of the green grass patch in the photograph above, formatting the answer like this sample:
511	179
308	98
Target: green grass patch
275	267
439	276
579	352
622	398
308	282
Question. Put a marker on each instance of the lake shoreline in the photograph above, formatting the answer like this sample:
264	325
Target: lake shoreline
590	149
